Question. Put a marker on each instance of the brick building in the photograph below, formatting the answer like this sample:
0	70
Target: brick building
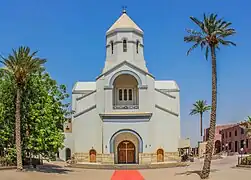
218	138
234	138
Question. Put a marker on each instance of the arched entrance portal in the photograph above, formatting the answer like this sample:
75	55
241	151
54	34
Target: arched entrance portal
135	142
160	155
92	155
67	154
126	153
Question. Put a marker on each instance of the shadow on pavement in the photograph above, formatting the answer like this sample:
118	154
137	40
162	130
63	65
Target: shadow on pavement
49	168
198	172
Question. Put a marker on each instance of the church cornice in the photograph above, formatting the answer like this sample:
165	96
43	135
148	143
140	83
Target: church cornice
118	30
126	117
121	64
166	110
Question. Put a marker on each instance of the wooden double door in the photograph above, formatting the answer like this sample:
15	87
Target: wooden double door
126	153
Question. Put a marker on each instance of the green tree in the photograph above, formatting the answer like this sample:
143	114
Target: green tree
212	33
200	107
45	112
246	125
7	120
19	66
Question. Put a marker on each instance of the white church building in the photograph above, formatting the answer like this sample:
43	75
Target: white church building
125	115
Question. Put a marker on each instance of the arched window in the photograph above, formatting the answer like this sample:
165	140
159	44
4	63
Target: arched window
112	46
125	94
130	94
124	46
137	47
120	94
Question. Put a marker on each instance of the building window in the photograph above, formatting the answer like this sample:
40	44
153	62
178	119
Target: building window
222	135
235	133
226	134
246	143
112	46
125	94
137	47
120	94
242	143
124	46
230	134
130	94
242	131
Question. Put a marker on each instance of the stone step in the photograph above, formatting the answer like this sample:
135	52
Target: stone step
128	166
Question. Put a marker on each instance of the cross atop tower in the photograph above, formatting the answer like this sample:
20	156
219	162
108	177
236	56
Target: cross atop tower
124	9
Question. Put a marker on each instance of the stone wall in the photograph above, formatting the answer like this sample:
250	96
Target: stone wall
144	158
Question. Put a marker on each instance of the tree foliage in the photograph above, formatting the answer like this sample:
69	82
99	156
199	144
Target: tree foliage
246	125
212	33
43	112
199	107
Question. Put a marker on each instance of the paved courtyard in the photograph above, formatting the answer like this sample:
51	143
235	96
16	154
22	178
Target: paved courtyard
221	169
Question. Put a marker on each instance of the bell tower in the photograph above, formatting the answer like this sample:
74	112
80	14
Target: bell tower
124	42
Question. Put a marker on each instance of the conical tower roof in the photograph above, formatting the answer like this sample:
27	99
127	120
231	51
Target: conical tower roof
124	22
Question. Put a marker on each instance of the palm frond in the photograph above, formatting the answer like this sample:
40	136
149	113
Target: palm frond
192	48
196	21
199	107
206	53
212	32
226	43
22	63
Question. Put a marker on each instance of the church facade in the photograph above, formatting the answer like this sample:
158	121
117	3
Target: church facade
125	116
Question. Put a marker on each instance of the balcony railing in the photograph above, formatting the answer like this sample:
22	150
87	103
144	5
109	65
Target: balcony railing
125	106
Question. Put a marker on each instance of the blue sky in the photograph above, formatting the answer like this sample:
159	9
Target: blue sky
71	35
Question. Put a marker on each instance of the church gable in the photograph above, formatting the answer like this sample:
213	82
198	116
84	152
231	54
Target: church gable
126	68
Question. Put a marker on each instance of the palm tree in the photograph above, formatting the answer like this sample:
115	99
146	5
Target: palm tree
19	66
200	107
212	33
247	126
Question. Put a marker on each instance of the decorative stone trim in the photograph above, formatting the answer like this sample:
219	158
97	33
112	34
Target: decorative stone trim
108	88
85	111
171	90
166	110
121	64
143	87
113	32
81	91
86	95
125	106
169	95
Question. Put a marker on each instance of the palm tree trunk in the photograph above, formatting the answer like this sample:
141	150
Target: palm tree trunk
210	144
18	133
201	126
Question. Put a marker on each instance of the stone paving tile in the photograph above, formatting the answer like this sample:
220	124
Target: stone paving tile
221	169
